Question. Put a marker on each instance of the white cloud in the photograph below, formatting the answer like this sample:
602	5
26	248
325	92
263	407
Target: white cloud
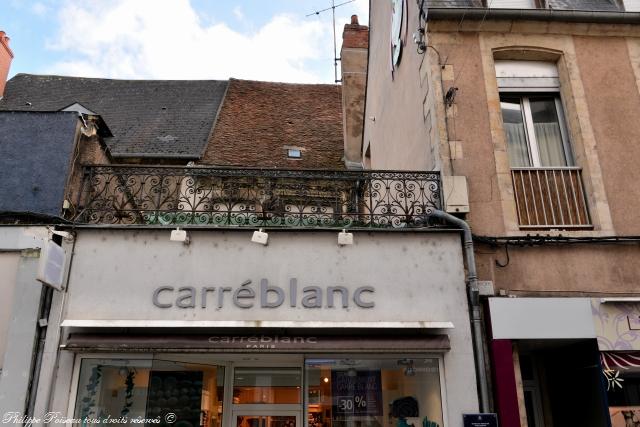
39	9
167	40
237	12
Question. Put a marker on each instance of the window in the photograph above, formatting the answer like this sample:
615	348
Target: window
374	392
134	390
294	153
547	183
535	131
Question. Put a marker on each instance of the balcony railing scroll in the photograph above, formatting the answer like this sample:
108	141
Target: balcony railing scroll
550	198
163	195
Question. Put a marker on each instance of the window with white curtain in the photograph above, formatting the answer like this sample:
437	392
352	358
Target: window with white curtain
532	114
535	132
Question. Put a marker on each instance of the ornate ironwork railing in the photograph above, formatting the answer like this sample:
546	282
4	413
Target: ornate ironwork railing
209	196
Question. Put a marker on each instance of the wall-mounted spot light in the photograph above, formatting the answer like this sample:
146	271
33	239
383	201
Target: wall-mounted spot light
179	235
260	237
345	238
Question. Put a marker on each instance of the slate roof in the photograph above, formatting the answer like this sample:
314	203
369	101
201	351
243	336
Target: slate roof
259	120
587	5
148	118
35	183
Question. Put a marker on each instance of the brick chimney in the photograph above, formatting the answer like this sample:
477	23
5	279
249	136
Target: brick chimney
355	46
6	55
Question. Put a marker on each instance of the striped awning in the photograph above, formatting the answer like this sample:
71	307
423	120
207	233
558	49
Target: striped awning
615	360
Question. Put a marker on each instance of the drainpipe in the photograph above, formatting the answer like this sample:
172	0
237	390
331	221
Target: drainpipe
474	304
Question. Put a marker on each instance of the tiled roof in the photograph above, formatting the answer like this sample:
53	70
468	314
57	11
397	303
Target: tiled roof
588	5
260	120
152	118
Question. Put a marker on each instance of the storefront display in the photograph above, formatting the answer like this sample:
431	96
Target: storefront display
150	389
299	333
347	392
374	392
617	323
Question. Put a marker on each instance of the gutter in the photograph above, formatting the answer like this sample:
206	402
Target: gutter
481	14
473	294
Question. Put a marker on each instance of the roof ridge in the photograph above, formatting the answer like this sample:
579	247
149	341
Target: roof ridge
116	80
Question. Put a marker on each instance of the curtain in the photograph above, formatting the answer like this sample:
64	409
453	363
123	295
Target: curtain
517	145
550	144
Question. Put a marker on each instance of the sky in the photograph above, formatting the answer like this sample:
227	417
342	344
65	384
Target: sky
271	40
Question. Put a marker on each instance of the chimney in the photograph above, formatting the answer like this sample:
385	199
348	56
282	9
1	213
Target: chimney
355	46
5	60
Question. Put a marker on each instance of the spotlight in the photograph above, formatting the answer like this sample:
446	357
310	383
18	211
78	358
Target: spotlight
179	235
345	238
260	237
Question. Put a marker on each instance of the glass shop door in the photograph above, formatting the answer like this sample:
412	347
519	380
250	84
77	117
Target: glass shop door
267	396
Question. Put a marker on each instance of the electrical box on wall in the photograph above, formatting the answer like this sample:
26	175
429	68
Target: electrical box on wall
455	194
51	267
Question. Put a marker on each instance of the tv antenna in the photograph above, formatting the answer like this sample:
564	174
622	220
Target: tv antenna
335	47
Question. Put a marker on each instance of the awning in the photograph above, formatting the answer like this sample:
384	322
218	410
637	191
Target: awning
615	360
257	343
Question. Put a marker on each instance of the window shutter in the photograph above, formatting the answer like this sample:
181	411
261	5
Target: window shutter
512	4
523	76
632	5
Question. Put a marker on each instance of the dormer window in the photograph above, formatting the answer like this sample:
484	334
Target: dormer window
294	153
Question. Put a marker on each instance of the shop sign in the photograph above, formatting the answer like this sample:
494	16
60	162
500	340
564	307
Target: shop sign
356	392
365	384
480	420
265	295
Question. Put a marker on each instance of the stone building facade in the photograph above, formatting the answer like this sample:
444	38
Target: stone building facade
483	91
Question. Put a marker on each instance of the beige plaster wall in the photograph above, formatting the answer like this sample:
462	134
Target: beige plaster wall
614	108
395	129
599	67
569	270
9	267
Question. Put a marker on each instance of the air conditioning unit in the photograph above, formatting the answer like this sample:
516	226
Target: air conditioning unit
455	194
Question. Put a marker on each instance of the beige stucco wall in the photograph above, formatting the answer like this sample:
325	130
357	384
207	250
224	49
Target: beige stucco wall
599	67
614	108
395	127
569	270
9	267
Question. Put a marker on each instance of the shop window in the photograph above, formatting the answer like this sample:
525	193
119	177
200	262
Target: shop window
374	392
135	390
623	392
547	183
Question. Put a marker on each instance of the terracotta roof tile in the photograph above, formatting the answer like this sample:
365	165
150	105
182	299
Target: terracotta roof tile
258	121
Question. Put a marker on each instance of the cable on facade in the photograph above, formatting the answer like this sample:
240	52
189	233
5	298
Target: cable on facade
539	240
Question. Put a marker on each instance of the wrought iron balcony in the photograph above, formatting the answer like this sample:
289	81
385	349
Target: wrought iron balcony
161	195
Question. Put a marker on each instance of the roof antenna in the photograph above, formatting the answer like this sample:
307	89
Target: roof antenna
335	48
